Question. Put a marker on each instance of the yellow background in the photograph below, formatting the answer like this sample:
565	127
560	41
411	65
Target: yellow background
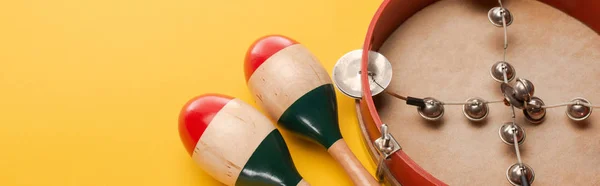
90	90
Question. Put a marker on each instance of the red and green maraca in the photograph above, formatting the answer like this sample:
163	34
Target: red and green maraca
235	143
296	91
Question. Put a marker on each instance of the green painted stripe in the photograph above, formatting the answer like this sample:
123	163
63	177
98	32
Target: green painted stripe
270	164
314	115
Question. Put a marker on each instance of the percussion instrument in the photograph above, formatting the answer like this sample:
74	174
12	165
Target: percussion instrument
296	91
528	78
235	143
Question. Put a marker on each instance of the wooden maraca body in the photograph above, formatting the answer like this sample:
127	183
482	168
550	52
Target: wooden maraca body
297	92
235	143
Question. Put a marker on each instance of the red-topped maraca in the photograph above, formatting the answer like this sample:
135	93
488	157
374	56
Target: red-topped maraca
296	91
235	143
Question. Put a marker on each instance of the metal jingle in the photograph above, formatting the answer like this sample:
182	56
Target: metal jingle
578	111
524	89
433	110
346	73
509	95
495	16
507	131
476	109
515	174
534	111
498	69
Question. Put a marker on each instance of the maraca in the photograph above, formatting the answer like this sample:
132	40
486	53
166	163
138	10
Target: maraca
235	143
296	91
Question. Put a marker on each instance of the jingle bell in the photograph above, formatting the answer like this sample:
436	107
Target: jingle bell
509	96
509	129
524	89
476	109
495	16
498	69
433	109
534	111
578	111
518	173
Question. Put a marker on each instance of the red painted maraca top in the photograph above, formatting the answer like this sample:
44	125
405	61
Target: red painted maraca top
262	49
196	115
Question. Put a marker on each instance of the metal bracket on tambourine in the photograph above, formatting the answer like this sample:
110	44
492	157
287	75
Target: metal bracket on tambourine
386	145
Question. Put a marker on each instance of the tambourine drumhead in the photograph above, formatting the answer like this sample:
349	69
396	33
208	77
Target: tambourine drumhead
446	50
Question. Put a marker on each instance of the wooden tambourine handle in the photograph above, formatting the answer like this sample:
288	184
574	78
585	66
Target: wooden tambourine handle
357	173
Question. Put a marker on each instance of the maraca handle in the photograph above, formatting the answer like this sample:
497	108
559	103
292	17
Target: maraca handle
358	174
303	183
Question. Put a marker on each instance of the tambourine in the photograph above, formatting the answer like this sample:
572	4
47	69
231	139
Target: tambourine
479	92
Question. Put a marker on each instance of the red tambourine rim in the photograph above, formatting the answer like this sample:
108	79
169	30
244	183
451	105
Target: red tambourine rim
389	16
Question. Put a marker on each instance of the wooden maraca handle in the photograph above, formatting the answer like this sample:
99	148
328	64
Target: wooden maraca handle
303	183
342	154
